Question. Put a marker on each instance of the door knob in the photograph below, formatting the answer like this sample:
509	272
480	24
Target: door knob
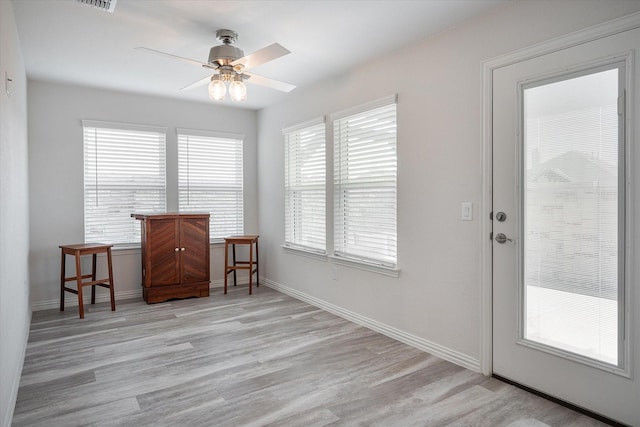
501	238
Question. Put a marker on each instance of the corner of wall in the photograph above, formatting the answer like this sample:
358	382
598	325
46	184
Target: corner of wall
15	312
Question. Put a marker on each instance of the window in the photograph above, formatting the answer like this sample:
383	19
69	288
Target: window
124	172
365	169
305	186
210	179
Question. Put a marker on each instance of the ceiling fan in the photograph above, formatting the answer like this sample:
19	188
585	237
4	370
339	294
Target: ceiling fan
230	65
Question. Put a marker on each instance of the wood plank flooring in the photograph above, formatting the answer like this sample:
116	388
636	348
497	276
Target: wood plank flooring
240	360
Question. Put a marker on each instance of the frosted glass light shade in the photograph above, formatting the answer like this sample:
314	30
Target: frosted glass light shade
217	89
238	91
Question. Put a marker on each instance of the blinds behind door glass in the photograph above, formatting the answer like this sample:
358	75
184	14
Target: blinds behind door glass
365	168
305	191
124	173
210	180
571	215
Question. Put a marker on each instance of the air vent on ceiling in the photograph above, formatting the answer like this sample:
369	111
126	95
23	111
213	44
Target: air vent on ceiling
107	5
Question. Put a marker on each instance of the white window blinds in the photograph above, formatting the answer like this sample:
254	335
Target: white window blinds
305	187
365	169
124	172
210	179
573	222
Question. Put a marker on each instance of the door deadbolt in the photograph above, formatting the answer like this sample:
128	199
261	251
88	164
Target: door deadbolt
501	216
502	238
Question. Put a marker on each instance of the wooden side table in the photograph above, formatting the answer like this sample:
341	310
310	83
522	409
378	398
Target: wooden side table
78	251
241	265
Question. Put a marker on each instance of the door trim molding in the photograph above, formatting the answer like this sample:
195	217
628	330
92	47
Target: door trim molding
586	35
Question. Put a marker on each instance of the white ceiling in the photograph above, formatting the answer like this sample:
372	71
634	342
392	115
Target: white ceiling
67	41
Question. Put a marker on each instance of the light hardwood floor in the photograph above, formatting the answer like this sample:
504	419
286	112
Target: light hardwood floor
236	360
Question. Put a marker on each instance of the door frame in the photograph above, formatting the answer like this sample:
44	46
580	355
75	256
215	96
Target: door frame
589	34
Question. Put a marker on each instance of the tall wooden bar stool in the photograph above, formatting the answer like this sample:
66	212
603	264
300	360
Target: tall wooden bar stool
241	265
78	251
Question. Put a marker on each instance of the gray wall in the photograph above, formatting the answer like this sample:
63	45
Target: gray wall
15	312
435	304
56	173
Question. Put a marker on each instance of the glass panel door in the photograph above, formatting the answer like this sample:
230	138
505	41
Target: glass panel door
564	136
573	214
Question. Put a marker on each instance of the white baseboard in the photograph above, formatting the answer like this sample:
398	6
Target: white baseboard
218	283
397	334
72	301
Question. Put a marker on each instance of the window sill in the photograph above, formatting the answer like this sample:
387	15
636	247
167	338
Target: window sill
135	249
306	253
361	265
125	250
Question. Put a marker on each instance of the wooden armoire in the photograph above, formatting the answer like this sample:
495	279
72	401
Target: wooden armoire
175	256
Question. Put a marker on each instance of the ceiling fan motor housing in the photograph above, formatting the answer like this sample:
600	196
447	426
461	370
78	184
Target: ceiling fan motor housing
224	54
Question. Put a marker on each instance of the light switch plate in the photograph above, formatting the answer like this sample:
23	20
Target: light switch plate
7	83
466	211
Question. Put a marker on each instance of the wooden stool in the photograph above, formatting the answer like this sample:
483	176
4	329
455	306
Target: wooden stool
78	251
241	265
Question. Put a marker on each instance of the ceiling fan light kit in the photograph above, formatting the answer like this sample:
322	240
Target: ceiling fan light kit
238	90
217	88
229	64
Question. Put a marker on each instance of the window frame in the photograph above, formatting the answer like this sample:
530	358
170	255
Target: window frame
344	257
133	234
294	240
233	139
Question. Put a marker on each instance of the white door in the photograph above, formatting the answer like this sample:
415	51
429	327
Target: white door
562	297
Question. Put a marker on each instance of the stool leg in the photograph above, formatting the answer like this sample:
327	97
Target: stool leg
235	278
111	291
79	281
62	281
250	267
257	266
93	278
226	265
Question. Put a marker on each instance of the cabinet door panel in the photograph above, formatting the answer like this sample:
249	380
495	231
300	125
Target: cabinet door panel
162	250
194	238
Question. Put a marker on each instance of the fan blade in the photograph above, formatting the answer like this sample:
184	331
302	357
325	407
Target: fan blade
203	81
273	84
169	55
261	56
